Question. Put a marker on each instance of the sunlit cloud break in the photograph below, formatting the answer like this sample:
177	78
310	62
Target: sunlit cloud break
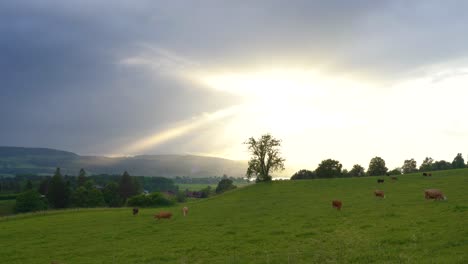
178	130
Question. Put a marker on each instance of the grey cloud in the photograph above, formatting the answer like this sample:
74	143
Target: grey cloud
68	82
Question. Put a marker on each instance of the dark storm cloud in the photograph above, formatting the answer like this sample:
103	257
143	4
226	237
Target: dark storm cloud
64	83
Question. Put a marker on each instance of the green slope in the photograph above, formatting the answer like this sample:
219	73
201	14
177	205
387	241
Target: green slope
281	222
16	160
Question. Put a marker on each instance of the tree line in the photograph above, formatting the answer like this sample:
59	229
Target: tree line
266	157
58	192
330	168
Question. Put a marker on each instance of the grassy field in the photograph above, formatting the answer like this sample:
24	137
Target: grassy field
280	222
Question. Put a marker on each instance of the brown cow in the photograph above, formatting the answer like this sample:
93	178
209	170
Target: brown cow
160	215
185	210
379	193
135	211
394	178
434	194
337	204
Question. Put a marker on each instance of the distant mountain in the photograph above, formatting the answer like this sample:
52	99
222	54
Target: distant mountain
16	160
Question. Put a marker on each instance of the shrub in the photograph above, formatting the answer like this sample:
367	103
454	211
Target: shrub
181	197
149	200
225	185
30	201
206	192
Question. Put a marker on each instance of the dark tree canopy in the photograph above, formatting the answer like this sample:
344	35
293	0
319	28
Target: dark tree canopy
224	185
426	165
58	193
111	195
126	186
265	157
81	177
303	175
29	201
377	167
44	186
357	171
458	162
88	196
328	169
441	165
29	185
409	166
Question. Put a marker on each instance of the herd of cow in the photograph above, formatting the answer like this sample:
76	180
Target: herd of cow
162	214
435	194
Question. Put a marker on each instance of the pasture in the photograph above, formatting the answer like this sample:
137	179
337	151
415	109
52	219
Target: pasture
278	222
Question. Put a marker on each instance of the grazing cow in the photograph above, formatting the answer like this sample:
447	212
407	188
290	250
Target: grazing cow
394	178
135	211
429	174
160	215
380	180
435	194
424	174
379	193
337	204
185	210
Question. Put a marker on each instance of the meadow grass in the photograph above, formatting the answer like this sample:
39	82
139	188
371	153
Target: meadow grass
278	222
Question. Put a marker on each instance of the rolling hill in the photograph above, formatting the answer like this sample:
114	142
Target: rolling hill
279	222
16	160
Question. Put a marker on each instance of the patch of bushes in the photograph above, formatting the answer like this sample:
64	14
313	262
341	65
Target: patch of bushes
150	200
224	185
30	201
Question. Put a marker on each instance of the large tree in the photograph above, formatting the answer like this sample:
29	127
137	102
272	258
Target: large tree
377	167
126	186
409	166
329	168
44	186
426	165
357	171
265	157
81	177
224	185
441	165
458	162
58	195
111	195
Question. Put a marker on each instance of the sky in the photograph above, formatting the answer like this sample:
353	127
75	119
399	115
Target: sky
346	80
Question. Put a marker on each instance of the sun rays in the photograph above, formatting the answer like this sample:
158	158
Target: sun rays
178	130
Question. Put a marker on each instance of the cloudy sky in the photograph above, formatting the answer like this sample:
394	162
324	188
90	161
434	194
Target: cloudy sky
348	80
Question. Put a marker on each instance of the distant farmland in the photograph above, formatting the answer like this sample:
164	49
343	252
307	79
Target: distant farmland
279	222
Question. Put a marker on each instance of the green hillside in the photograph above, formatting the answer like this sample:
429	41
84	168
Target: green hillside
280	222
16	160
